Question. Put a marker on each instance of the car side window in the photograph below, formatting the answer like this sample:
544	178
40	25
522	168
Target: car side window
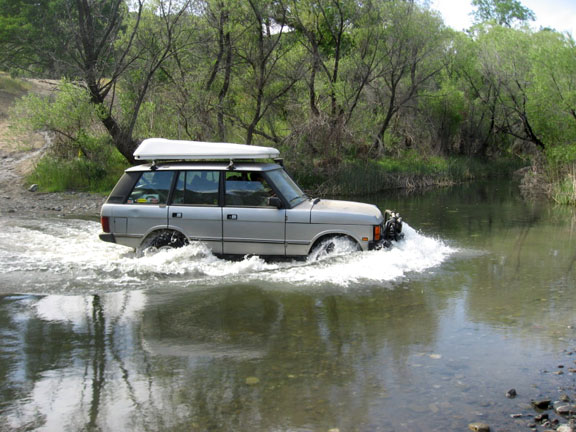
153	187
197	188
248	189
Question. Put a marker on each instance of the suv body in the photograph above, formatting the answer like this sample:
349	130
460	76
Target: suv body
236	207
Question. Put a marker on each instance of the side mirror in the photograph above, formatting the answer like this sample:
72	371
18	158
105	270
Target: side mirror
274	202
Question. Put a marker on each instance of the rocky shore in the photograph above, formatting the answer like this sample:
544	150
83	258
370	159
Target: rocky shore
24	203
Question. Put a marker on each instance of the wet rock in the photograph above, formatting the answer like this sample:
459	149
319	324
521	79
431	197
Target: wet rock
565	409
565	428
479	427
33	188
510	394
541	403
541	417
565	398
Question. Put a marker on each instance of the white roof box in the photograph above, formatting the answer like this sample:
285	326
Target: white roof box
166	149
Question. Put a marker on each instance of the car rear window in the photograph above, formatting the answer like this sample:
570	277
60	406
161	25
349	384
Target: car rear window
153	187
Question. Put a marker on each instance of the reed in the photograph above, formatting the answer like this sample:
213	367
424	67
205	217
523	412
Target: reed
564	192
367	177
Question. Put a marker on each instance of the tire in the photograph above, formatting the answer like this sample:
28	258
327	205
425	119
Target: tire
332	245
164	240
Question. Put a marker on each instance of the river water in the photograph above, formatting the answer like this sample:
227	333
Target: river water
428	336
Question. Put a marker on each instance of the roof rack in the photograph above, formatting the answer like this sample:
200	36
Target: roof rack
153	149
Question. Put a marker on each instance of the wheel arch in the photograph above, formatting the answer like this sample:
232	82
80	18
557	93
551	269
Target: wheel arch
332	234
159	230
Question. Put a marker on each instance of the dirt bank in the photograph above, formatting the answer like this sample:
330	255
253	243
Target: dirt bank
19	152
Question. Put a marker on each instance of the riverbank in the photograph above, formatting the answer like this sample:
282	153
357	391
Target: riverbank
19	153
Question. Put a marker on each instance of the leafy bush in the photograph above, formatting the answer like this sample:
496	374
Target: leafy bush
54	174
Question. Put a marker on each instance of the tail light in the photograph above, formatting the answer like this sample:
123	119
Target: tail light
105	222
377	232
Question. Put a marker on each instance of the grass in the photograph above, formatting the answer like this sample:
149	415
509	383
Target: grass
56	175
13	86
365	177
564	192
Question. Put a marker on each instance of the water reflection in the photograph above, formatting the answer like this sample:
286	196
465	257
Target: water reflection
62	355
219	358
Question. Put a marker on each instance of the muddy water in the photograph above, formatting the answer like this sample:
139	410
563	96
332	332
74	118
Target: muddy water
428	336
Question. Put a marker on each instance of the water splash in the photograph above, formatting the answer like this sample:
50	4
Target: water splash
62	255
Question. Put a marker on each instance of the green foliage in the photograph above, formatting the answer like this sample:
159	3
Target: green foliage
68	115
330	81
411	170
79	174
502	12
33	37
80	156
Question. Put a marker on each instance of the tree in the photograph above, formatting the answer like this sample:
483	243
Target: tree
506	65
410	53
111	42
30	40
502	12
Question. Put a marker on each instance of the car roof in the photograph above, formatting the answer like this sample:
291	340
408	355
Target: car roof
206	166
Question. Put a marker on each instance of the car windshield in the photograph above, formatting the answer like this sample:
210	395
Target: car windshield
289	190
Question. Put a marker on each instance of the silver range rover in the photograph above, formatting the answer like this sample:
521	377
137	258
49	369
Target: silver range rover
237	207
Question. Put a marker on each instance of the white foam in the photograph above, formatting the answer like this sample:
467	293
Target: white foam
72	247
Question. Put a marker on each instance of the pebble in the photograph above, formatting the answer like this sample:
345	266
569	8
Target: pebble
510	394
479	427
565	428
252	380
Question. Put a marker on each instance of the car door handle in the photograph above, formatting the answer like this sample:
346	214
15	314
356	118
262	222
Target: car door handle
176	215
232	217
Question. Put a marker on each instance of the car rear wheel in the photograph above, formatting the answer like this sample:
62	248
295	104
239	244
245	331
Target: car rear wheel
164	240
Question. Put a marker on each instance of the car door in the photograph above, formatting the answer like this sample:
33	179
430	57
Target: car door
195	208
250	225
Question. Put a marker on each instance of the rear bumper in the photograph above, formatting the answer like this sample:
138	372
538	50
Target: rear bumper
107	237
